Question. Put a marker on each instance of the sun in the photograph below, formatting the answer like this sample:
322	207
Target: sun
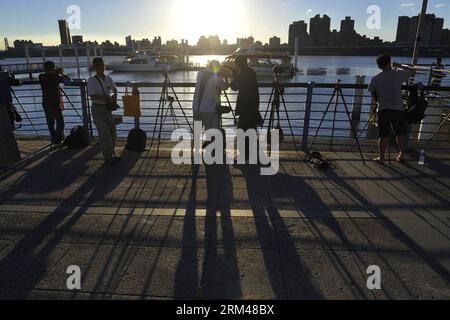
192	19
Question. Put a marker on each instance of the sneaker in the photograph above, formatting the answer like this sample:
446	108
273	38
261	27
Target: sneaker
400	159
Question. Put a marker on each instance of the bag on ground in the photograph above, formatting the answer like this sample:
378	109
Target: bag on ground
78	138
137	140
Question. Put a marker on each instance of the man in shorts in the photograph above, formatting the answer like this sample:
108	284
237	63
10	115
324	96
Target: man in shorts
386	88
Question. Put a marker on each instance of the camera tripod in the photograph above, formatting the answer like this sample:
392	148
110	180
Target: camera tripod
275	101
165	109
447	118
337	94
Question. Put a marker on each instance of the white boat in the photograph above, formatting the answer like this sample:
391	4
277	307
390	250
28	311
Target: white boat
263	62
146	62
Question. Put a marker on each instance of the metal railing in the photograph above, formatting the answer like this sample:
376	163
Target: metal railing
305	106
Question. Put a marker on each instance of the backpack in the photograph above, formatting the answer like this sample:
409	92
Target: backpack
77	139
137	140
417	105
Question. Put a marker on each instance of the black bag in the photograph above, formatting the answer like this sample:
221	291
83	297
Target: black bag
220	109
137	140
417	105
78	138
14	115
113	106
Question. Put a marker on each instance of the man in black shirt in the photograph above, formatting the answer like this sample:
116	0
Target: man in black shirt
51	100
247	104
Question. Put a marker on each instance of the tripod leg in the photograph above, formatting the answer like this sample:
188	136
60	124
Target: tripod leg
334	121
160	107
321	123
365	126
352	126
180	106
25	112
269	105
229	104
289	122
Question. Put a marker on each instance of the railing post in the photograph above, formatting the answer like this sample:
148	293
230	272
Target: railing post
85	109
358	98
307	117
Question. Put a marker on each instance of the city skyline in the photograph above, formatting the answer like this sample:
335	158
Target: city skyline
280	14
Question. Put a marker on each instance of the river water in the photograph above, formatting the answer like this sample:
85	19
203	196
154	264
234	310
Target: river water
320	69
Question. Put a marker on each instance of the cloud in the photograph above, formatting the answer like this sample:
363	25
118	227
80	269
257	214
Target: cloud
407	5
440	5
309	11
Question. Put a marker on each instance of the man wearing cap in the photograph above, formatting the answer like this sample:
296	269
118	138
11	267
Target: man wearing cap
51	100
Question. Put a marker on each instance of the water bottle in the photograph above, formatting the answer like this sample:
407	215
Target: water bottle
422	157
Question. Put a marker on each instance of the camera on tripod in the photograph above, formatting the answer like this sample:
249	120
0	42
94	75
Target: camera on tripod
277	71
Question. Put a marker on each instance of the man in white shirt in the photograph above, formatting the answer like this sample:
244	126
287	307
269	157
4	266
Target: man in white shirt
210	84
386	88
100	88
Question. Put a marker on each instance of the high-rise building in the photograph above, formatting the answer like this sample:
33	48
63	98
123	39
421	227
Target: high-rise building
445	37
129	43
347	33
245	42
64	32
157	42
403	29
275	42
319	30
436	32
77	40
298	29
431	34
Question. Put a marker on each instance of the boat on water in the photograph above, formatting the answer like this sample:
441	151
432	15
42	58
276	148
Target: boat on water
147	62
263	62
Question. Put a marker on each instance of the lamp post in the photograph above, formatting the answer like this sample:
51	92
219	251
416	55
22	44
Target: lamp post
419	32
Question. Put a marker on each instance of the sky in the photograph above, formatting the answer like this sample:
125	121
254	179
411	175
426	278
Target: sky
189	19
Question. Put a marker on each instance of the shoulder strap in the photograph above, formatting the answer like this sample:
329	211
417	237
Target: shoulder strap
101	84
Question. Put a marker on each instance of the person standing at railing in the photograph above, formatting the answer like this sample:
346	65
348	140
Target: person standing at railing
100	88
247	104
437	76
386	88
52	100
210	84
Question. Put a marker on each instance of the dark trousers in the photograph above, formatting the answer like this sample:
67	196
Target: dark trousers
55	122
246	123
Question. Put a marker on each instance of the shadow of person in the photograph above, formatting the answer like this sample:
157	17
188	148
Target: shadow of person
30	259
288	274
186	276
221	277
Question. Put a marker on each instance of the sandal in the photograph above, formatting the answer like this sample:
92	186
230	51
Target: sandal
378	160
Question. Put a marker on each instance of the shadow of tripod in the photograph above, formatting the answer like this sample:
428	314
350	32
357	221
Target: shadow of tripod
337	94
166	109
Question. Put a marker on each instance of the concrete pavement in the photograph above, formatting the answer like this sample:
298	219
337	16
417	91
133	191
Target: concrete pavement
148	229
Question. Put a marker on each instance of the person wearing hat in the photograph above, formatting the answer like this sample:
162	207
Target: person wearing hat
247	105
210	84
103	92
51	100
